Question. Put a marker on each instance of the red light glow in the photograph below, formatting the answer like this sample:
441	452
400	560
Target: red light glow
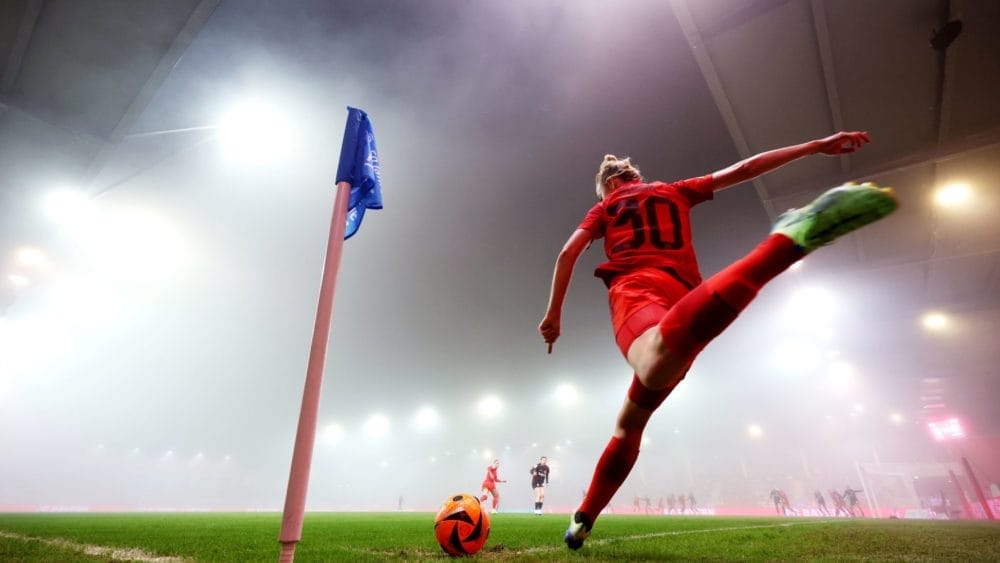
948	429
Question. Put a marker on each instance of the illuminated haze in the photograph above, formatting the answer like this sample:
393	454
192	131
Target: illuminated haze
161	363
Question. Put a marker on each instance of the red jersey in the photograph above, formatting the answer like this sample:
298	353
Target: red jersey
491	475
649	226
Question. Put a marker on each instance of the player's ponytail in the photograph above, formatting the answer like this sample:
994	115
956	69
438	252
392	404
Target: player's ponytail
613	167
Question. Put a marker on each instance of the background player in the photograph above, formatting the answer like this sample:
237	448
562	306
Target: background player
540	478
662	314
490	484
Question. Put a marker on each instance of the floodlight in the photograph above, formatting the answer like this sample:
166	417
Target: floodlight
896	418
253	132
935	321
814	304
755	431
796	356
490	406
68	207
947	429
426	418
30	257
644	441
377	426
487	454
841	375
332	434
953	195
566	395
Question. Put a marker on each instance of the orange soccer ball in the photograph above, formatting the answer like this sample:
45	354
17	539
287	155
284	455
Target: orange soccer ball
462	525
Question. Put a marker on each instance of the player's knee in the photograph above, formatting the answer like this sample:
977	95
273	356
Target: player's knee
645	398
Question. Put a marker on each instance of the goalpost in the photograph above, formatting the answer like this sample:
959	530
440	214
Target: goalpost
891	489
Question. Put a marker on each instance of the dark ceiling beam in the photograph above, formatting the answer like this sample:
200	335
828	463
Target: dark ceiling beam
17	105
829	78
181	42
748	12
832	96
16	57
947	83
711	76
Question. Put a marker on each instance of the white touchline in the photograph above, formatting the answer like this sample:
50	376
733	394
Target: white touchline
675	533
113	553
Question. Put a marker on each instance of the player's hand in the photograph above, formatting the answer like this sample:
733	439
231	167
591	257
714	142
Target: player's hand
844	142
549	329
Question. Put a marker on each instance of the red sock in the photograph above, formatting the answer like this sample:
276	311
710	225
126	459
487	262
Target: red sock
614	466
708	309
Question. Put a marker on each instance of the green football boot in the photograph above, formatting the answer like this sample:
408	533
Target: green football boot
835	213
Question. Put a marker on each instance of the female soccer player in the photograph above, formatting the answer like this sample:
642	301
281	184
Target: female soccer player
662	313
490	484
539	478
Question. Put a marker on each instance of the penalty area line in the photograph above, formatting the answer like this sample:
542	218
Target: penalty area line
109	552
653	535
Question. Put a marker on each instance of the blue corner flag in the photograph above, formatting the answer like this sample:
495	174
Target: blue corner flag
359	166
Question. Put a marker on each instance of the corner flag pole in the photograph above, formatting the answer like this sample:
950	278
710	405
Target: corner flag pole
305	436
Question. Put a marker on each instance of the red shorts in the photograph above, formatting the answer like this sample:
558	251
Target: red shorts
639	300
489	486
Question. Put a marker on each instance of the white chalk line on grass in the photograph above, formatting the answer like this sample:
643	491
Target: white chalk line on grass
652	535
113	553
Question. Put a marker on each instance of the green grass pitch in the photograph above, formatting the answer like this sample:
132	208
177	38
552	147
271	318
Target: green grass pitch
522	537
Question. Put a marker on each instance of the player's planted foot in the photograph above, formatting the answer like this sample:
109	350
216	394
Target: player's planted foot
579	529
836	212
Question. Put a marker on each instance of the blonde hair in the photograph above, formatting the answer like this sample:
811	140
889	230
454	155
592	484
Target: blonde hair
613	167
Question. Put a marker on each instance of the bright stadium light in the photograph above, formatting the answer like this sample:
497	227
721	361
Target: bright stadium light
426	419
896	418
796	356
490	406
754	431
935	321
566	395
67	207
841	376
487	454
332	434
254	132
30	257
134	244
953	195
947	429
644	441
377	426
813	304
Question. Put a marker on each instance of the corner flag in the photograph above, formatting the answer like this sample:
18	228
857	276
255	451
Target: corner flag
359	166
358	189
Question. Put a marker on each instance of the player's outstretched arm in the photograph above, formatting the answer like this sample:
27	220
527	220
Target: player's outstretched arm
549	327
838	143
